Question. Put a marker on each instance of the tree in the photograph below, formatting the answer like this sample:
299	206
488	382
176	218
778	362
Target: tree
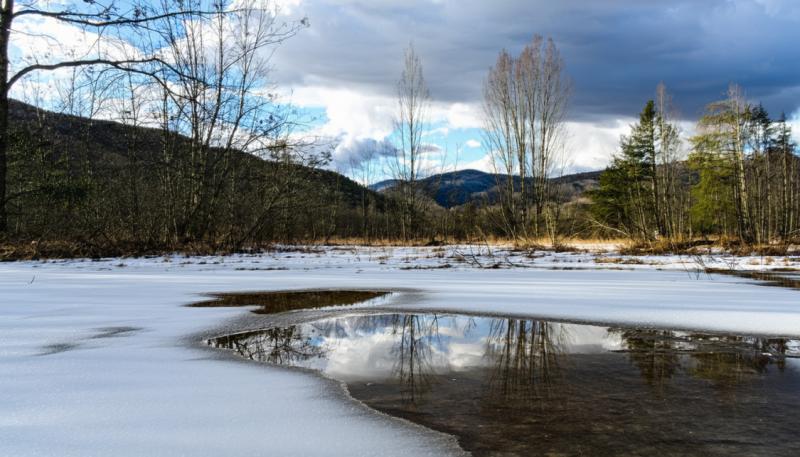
723	135
413	103
713	208
759	136
503	136
669	194
784	147
524	104
627	197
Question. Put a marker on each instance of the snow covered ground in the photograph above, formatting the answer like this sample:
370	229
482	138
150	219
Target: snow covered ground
94	361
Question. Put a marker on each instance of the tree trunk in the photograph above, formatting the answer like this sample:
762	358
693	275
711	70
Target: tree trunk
6	16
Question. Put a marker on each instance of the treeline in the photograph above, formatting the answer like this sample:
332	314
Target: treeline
738	181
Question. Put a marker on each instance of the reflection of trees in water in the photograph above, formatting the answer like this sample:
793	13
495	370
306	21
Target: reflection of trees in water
527	357
416	340
276	345
654	353
414	351
724	360
729	360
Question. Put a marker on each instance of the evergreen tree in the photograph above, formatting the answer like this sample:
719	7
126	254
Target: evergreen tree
626	198
713	210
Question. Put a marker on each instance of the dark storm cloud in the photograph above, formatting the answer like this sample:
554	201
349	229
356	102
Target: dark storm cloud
616	51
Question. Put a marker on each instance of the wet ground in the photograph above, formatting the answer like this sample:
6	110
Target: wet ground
789	278
281	301
507	386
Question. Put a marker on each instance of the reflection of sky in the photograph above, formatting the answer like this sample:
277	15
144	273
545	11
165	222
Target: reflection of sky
369	347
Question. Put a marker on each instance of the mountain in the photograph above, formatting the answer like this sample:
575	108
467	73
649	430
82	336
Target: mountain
456	188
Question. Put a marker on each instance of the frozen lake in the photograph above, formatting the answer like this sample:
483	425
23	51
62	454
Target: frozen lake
102	358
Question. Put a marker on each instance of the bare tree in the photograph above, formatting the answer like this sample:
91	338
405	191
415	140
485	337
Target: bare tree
525	102
666	188
413	103
501	133
552	154
222	61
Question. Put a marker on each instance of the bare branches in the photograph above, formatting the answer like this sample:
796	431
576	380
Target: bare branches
105	18
525	100
413	101
118	64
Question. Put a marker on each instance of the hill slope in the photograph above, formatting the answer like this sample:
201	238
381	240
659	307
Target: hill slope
106	144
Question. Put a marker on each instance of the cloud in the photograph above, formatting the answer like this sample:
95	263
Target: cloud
616	51
430	148
484	164
351	153
346	65
359	114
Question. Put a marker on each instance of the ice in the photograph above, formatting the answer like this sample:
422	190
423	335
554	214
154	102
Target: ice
94	358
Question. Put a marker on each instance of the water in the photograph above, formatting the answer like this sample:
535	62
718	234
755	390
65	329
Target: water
531	387
272	302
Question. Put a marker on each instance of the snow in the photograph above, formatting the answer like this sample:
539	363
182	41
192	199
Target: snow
94	358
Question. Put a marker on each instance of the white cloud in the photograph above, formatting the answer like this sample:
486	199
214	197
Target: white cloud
473	143
591	145
351	153
458	115
484	164
349	112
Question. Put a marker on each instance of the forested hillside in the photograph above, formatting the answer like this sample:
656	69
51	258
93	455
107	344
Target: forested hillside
112	187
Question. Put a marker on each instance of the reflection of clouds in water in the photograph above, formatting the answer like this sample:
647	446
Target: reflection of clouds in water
467	355
585	339
367	349
451	330
360	355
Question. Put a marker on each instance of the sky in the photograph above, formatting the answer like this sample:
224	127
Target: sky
344	68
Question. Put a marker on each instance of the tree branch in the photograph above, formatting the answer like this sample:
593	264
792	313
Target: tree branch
120	64
87	18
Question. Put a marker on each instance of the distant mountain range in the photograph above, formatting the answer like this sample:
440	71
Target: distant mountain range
456	188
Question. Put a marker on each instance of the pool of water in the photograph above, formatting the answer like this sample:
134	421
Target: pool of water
508	386
273	302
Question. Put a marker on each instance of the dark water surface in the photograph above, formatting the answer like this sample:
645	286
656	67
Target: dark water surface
531	387
272	302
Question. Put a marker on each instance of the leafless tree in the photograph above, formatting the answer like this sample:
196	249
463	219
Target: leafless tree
413	103
525	103
668	197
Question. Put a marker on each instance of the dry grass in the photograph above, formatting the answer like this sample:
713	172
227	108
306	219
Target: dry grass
40	249
526	244
619	260
705	246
